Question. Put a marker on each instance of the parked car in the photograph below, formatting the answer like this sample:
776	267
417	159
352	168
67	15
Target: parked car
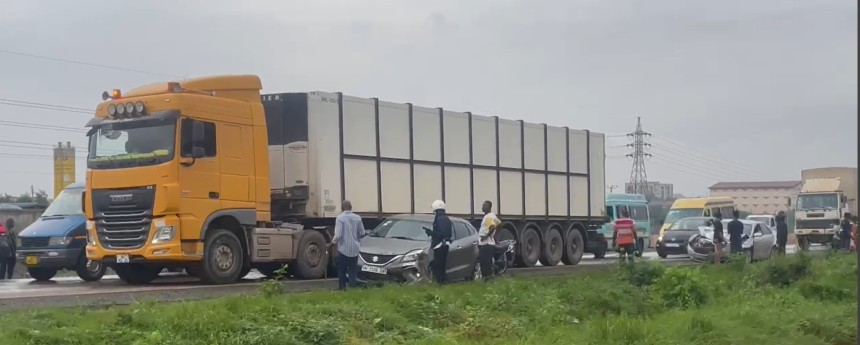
764	218
674	239
58	240
759	242
398	251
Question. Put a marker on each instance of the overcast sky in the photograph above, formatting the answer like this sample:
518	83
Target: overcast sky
756	89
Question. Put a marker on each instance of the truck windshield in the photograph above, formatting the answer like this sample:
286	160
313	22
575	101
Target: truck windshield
810	202
675	215
122	145
68	203
404	229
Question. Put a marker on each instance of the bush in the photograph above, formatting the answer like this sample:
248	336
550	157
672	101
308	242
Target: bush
783	272
681	288
642	274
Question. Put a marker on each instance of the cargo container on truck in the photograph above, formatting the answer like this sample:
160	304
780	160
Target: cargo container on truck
211	176
826	195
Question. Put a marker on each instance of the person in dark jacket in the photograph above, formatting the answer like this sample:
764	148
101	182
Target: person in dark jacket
781	232
8	249
736	234
846	226
440	238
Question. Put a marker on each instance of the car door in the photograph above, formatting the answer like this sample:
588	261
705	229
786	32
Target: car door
758	241
461	253
767	241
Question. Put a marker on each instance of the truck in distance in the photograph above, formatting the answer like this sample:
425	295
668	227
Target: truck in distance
825	196
211	176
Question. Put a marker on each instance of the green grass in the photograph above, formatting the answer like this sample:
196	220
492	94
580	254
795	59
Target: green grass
794	300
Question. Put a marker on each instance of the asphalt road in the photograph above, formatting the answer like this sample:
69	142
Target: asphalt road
71	292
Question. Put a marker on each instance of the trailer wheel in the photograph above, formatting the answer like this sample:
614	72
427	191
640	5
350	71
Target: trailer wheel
552	249
574	247
312	261
136	273
530	248
224	258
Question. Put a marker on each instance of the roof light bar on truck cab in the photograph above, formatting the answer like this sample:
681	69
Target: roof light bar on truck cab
114	95
128	109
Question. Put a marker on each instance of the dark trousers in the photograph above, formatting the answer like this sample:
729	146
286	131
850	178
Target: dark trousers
626	249
347	269
7	268
736	245
846	242
485	257
780	244
440	264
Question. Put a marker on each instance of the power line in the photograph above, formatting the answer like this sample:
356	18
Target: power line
684	170
87	64
45	127
700	152
44	105
706	164
717	174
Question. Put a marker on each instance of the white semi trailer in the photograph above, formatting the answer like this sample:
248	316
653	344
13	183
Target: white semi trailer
546	183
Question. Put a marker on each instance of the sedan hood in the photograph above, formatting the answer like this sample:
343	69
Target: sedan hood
390	246
678	236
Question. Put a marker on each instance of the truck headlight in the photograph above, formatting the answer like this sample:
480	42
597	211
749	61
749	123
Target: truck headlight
90	239
411	256
60	241
164	234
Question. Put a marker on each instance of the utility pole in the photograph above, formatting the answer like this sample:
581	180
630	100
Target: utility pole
638	176
611	188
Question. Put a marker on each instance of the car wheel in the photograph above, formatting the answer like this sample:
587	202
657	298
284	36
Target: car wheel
773	251
662	254
476	272
749	255
42	274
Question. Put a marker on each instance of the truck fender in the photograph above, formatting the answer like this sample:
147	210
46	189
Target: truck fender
245	217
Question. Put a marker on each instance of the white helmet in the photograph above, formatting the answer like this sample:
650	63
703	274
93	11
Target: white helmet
438	205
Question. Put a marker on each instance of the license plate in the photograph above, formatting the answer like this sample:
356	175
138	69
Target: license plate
122	259
373	269
32	260
816	231
673	245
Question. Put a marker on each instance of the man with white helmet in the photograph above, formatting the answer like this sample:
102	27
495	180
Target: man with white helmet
440	238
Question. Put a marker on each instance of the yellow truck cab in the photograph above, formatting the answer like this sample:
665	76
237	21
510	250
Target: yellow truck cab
698	207
160	184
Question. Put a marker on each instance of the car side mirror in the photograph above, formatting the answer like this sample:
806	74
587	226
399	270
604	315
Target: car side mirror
197	132
758	234
198	152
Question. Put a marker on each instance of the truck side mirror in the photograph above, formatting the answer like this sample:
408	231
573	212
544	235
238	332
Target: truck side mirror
197	133
198	152
844	198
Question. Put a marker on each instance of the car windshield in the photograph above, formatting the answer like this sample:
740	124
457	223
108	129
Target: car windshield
676	215
404	229
68	203
690	224
121	145
818	202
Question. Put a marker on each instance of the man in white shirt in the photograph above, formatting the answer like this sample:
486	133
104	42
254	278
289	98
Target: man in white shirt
487	242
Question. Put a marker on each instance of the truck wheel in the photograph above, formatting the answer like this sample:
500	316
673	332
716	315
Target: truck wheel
90	271
529	248
640	247
136	273
312	260
600	249
552	249
803	243
224	258
41	273
574	247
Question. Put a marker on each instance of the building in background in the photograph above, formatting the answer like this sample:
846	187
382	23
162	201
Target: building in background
758	197
64	166
657	190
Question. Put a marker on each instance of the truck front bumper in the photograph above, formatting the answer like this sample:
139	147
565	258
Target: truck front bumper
170	251
64	258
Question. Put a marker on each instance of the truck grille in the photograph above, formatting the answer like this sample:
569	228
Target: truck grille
123	216
815	223
34	242
380	259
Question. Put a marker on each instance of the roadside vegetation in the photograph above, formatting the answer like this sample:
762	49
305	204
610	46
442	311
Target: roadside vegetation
793	300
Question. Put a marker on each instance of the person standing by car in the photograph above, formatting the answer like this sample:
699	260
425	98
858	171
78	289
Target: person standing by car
487	242
348	232
440	238
719	237
624	236
781	232
8	248
736	234
846	231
